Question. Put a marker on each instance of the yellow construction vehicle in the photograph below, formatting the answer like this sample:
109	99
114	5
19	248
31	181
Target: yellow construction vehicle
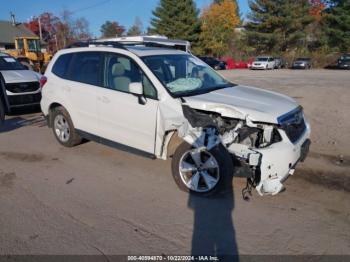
28	52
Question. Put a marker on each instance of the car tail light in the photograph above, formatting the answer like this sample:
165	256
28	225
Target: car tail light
42	81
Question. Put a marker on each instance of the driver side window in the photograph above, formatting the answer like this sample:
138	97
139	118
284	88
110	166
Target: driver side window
120	71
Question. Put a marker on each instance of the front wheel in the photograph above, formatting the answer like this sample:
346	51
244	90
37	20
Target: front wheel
201	171
63	128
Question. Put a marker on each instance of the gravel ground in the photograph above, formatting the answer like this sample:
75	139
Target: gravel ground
92	199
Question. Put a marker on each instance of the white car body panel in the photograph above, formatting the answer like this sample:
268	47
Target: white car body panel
121	118
241	101
278	162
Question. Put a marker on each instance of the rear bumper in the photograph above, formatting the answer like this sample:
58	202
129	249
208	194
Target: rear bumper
299	67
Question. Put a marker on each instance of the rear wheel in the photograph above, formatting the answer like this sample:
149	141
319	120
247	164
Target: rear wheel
201	171
63	128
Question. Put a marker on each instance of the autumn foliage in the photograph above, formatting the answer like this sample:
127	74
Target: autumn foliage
218	26
317	6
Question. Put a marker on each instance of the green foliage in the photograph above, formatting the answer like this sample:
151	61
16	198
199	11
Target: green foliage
336	25
278	25
112	29
176	19
136	28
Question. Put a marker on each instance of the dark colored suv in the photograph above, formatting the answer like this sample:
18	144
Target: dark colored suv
302	63
344	62
213	62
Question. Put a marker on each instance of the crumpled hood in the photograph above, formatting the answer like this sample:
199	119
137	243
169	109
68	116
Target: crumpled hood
242	101
18	76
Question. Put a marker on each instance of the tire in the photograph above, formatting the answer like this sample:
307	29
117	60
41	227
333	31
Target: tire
218	178
63	128
2	114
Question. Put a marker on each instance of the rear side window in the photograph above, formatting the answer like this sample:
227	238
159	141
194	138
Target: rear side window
60	68
86	67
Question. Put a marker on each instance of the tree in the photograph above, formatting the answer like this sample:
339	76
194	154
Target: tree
81	29
136	28
238	13
218	26
70	30
112	29
316	9
316	35
47	20
176	19
278	25
336	25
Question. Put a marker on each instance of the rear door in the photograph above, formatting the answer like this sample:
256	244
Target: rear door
84	78
122	118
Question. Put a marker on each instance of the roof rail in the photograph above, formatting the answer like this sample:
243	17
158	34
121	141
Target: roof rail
125	44
103	43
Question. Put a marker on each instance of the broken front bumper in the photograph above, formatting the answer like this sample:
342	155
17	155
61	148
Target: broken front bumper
279	160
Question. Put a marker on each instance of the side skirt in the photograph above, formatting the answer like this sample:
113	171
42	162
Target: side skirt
115	145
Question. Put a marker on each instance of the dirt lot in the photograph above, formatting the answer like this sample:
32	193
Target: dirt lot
92	199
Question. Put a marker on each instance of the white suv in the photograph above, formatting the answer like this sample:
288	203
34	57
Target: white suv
168	103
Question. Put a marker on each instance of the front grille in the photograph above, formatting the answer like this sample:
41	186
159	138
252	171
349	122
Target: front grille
293	124
22	100
22	87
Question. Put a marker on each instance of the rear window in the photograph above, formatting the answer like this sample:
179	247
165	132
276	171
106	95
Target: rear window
83	67
60	67
86	67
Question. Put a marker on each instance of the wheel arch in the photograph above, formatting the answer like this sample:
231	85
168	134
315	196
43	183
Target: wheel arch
49	115
171	141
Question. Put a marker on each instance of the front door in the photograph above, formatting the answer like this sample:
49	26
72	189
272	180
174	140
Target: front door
123	118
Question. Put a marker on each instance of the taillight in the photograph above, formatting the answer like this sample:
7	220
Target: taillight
42	81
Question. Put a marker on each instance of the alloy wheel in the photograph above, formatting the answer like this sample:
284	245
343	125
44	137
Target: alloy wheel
199	170
62	129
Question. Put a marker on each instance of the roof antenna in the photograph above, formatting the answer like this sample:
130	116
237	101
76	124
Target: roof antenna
13	18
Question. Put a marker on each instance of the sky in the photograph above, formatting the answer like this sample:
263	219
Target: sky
95	11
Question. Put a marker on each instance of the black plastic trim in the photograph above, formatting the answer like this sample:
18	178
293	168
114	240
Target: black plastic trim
115	145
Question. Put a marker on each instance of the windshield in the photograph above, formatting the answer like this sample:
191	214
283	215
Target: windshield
9	63
302	59
262	59
185	75
345	58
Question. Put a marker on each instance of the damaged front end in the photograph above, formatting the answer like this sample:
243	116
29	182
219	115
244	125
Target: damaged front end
271	151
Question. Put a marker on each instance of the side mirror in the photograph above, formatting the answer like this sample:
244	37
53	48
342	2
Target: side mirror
136	88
